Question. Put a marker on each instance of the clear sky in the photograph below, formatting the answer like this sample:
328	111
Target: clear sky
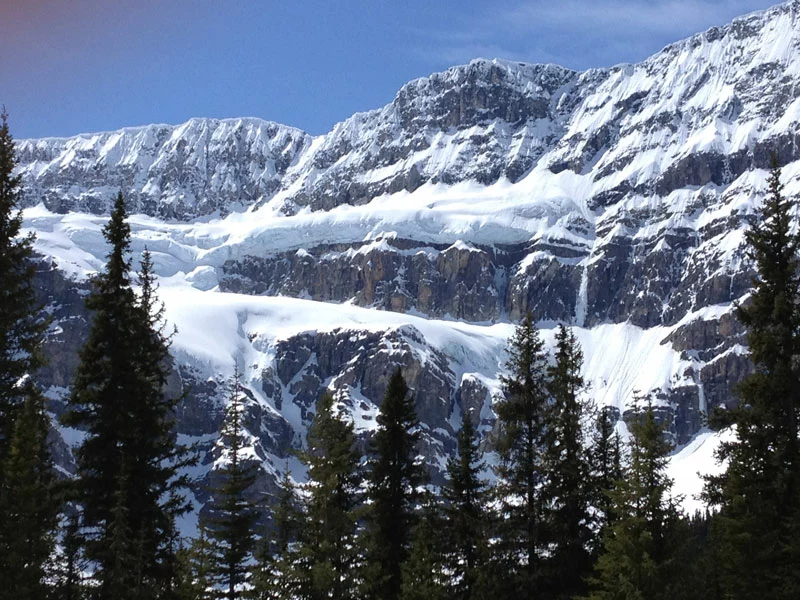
72	66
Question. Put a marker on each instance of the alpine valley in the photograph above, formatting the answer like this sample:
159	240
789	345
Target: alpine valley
416	235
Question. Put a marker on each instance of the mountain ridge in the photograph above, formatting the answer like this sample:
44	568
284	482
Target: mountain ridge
412	235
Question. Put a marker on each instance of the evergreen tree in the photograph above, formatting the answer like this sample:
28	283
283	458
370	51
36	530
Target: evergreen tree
606	461
394	479
22	320
328	538
195	580
28	504
641	548
69	564
426	572
522	417
120	380
233	515
758	493
567	490
465	525
277	574
123	575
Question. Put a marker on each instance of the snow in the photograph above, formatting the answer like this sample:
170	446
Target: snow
625	126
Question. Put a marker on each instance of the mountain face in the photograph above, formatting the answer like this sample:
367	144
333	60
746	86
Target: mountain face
413	236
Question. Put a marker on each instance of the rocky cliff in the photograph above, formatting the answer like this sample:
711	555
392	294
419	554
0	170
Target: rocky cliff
614	200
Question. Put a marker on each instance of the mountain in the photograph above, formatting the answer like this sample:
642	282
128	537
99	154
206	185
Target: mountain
414	235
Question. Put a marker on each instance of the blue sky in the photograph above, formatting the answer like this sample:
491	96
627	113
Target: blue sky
71	66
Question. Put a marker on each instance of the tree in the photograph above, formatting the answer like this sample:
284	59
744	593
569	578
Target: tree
196	568
69	564
277	574
120	380
328	537
22	320
641	548
522	417
426	573
233	515
567	490
465	525
758	494
606	461
28	504
394	479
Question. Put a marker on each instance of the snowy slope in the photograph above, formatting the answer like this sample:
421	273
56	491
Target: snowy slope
614	200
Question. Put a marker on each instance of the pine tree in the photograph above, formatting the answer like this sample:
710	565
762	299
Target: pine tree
120	380
394	479
606	461
233	514
277	575
196	567
641	548
426	573
26	495
328	538
465	527
522	416
22	320
28	503
567	490
69	564
758	493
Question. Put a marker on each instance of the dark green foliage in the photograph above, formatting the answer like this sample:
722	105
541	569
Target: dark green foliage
758	493
394	479
522	418
426	573
28	503
465	527
567	490
606	457
278	574
120	380
195	568
641	549
69	564
327	543
233	515
22	321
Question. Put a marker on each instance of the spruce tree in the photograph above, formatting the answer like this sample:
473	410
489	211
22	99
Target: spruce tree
426	573
522	417
278	570
641	549
606	462
69	568
567	490
758	493
22	320
233	514
328	538
28	503
465	526
120	380
195	579
394	479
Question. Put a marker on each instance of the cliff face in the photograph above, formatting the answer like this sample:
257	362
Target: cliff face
614	200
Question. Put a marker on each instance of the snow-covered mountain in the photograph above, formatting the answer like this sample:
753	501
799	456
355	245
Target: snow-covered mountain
615	200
